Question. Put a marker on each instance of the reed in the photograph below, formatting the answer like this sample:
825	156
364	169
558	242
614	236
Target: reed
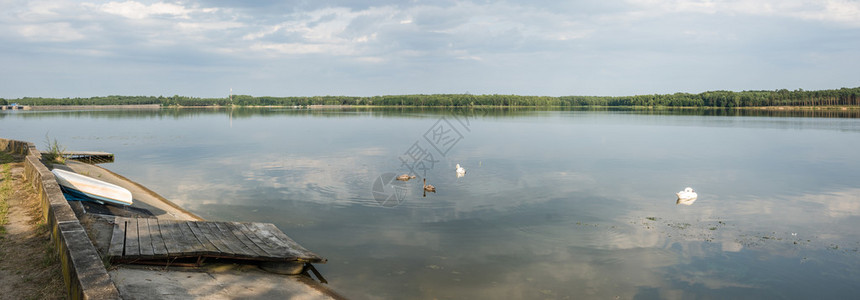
54	153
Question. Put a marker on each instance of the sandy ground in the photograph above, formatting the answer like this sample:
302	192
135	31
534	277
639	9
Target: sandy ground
29	268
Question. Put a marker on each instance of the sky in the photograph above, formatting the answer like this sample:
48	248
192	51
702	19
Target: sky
205	48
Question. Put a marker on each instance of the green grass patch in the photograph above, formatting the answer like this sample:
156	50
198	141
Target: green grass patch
6	158
5	193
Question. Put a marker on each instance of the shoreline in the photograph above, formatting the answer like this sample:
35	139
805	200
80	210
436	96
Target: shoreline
158	107
89	107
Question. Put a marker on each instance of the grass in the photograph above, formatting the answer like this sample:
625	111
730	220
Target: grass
55	151
5	189
41	276
49	258
6	158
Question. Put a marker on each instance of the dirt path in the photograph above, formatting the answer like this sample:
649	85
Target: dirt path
29	268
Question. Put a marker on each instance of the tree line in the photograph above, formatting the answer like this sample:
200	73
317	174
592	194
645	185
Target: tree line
720	99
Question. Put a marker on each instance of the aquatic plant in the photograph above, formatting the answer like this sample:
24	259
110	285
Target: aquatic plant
54	153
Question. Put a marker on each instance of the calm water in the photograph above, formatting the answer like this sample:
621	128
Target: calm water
554	204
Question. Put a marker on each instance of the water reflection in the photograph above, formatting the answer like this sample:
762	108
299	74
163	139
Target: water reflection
389	193
557	204
687	201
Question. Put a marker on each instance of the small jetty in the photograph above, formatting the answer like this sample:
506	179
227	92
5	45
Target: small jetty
174	242
90	157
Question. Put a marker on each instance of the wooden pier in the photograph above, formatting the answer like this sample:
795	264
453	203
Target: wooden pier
90	157
166	242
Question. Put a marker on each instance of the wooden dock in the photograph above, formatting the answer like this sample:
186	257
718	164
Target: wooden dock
159	241
90	157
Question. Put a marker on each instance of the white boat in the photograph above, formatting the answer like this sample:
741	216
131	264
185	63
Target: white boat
92	188
687	194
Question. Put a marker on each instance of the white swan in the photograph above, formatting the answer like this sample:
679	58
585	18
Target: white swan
460	171
687	194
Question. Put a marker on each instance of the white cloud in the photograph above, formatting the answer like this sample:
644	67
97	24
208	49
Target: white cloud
482	43
322	31
370	59
844	12
137	10
46	8
208	26
52	32
838	204
301	48
342	31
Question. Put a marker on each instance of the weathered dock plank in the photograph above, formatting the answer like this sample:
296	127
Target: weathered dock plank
207	234
132	244
189	244
285	245
255	239
168	231
150	240
208	246
237	232
227	236
144	237
266	240
158	247
215	234
117	239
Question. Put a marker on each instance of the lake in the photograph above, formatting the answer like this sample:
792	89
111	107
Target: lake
554	204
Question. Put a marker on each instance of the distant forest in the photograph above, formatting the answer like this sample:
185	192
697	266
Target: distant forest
721	99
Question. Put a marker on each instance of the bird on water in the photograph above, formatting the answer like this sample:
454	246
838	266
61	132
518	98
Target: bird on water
405	177
687	194
429	188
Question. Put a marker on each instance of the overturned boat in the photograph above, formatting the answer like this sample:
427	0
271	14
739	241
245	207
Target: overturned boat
92	189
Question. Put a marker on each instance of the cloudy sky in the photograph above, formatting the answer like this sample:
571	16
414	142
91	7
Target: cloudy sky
204	48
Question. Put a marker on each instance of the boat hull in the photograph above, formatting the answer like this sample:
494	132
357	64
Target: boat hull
88	187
